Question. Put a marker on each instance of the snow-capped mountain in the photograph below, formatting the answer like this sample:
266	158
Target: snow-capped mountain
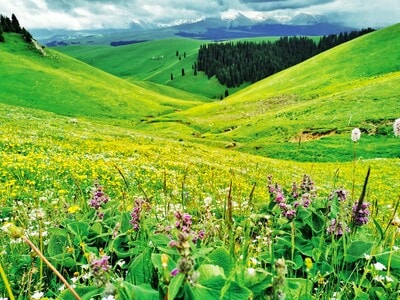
230	24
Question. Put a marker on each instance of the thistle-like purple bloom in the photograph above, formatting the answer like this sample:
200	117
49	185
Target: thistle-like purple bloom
100	264
98	197
140	203
337	228
360	216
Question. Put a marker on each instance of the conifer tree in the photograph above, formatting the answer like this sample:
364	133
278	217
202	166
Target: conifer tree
1	35
15	24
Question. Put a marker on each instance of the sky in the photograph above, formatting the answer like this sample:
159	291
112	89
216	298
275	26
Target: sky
96	14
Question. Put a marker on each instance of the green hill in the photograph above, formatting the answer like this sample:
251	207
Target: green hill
153	61
58	83
307	112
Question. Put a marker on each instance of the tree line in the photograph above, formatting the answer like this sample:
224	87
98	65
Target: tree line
12	25
234	63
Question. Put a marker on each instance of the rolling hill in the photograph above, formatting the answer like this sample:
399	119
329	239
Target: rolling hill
153	61
310	108
58	83
303	113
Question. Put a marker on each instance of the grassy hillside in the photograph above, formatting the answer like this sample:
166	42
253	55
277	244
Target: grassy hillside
63	85
153	61
310	109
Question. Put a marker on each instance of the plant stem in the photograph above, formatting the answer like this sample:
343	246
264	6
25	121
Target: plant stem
6	283
43	258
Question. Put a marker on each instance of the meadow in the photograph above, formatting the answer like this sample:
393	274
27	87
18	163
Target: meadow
109	190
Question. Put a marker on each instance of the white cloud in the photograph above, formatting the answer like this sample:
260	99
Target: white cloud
85	14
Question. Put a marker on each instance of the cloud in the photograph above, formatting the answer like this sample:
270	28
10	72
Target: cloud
85	14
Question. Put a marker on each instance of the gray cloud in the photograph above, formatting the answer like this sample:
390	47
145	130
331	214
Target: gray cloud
283	4
80	14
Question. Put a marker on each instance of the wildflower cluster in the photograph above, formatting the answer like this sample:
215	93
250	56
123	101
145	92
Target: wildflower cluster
337	225
337	228
186	262
99	198
140	204
301	194
98	268
360	214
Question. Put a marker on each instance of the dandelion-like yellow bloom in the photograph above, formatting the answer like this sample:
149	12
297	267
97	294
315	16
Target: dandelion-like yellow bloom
308	263
73	209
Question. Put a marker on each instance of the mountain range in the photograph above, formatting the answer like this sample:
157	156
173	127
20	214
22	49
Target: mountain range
228	26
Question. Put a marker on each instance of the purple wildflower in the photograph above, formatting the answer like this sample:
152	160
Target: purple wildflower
341	194
360	216
100	264
174	272
98	197
140	204
337	228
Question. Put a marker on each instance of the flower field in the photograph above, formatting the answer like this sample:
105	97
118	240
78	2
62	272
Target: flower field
121	214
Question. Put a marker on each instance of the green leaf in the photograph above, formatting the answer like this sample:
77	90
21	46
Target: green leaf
297	287
334	208
175	285
140	270
97	228
79	229
58	242
357	250
379	229
119	246
208	271
159	240
125	222
85	293
221	257
128	291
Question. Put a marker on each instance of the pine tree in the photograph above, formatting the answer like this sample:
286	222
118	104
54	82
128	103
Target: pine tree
1	35
172	76
183	72
15	24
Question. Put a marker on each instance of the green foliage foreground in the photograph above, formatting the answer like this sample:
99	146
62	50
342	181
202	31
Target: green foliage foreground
149	218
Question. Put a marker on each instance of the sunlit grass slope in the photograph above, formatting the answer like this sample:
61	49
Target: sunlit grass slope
153	61
64	85
43	153
308	111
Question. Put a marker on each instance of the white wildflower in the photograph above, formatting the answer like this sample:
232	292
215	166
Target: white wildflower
37	295
208	201
355	134
379	266
396	127
251	271
367	256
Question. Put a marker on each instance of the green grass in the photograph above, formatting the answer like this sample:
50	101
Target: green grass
51	167
346	87
64	85
153	61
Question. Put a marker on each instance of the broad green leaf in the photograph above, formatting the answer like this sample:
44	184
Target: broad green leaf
79	229
128	291
175	285
141	269
208	271
222	258
357	250
85	293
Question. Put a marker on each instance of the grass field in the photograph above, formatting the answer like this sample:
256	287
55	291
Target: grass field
133	190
